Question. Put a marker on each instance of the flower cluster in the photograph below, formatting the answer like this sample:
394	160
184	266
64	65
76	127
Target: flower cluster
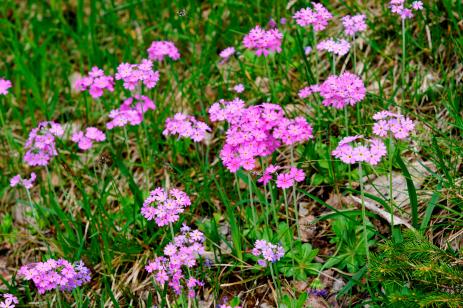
161	49
268	251
26	183
56	274
164	207
9	301
96	82
255	131
398	7
354	24
356	149
227	53
40	145
317	292
399	125
338	91
85	141
183	251
132	74
130	112
337	47
186	126
317	17
4	86
263	41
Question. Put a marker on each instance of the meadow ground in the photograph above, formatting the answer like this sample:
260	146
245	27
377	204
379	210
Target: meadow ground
378	225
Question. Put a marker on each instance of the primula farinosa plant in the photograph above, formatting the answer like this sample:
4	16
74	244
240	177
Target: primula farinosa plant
95	83
4	86
9	301
268	252
226	54
357	149
354	24
26	183
137	74
263	42
180	257
338	91
40	145
255	131
186	126
239	88
130	112
165	206
55	275
85	140
337	47
317	17
159	50
399	7
392	124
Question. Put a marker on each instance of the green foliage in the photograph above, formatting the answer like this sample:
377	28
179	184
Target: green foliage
416	273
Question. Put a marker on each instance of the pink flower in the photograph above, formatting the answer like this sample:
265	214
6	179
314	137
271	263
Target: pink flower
165	207
263	42
186	126
130	112
40	145
134	74
95	83
238	88
26	183
4	86
340	91
162	49
227	53
307	50
9	301
398	7
355	149
387	122
339	47
268	251
354	24
85	141
317	17
284	180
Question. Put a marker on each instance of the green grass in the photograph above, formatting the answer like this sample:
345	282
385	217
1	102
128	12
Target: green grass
88	203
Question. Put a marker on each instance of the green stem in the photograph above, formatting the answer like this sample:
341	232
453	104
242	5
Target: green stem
403	61
291	239
391	199
364	219
275	284
296	210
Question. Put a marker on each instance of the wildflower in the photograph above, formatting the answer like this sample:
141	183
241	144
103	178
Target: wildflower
354	24
162	49
55	274
398	7
355	149
317	292
255	131
85	141
130	112
339	91
9	301
283	21
307	50
186	126
165	206
338	47
26	183
184	251
96	82
239	88
317	17
227	53
40	145
267	176
272	23
398	125
268	252
4	86
263	42
133	74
